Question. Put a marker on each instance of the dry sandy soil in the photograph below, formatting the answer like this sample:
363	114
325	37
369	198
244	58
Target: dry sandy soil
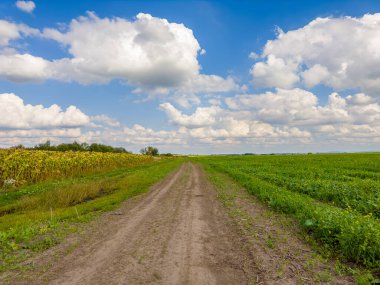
182	233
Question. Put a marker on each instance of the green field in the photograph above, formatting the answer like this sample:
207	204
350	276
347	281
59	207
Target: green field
335	198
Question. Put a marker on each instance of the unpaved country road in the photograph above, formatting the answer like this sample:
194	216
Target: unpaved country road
178	233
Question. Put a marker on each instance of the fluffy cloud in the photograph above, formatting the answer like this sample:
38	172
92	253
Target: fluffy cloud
32	137
275	71
8	31
186	100
20	67
31	124
215	124
301	108
341	119
282	100
18	136
15	114
341	53
201	117
136	135
272	119
161	58
281	117
104	120
26	6
24	67
149	53
11	31
142	136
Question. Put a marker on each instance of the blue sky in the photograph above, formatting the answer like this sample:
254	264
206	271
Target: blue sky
196	108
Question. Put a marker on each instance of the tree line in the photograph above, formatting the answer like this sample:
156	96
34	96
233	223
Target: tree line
94	147
75	146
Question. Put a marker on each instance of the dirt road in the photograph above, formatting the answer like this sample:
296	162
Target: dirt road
176	234
181	233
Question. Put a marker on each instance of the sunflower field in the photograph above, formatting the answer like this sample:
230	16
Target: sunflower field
19	167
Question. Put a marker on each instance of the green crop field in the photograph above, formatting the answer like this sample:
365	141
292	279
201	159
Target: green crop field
334	197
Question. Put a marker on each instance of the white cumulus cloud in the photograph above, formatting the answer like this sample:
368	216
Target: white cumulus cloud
150	53
155	56
342	53
299	107
15	114
104	120
275	72
24	67
11	31
26	6
215	125
285	116
342	119
203	116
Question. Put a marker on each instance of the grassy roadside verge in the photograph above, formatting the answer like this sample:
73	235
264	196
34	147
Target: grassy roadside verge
226	185
34	222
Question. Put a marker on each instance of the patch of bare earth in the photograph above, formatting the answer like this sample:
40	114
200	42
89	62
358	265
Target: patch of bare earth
181	233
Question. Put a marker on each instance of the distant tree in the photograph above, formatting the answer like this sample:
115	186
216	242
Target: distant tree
69	146
120	150
44	146
149	150
100	148
20	146
166	154
85	146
